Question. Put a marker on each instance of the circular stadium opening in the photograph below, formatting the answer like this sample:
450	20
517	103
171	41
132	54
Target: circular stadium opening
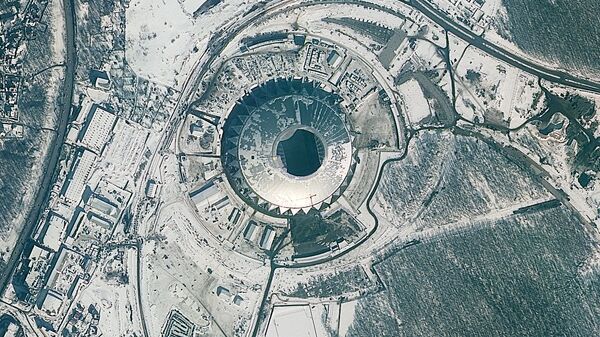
302	154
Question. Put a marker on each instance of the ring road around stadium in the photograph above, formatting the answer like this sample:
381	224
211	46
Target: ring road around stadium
293	133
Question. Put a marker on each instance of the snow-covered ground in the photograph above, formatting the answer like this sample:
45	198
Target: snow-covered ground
58	29
117	303
164	39
496	90
415	103
55	21
346	316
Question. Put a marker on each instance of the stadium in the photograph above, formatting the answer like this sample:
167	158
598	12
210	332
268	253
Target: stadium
286	147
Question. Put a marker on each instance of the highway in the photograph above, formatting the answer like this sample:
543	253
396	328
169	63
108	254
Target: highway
52	161
522	63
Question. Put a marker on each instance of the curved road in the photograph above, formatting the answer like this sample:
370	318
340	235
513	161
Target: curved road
219	45
434	15
500	53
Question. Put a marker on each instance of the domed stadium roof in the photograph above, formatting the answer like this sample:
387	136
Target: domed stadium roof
286	147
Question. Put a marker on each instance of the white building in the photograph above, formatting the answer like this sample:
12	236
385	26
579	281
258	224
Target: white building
99	125
266	241
38	260
104	207
209	195
78	177
250	231
151	189
11	330
102	83
52	302
53	232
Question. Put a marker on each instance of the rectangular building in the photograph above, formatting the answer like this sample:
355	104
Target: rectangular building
103	207
250	230
66	272
52	234
207	195
97	129
78	177
268	236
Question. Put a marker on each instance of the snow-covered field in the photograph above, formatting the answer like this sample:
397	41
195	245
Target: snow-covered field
117	303
164	39
495	90
417	107
347	312
180	277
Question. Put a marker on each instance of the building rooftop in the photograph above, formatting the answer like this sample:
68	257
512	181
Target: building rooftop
78	177
287	148
52	302
52	235
99	125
